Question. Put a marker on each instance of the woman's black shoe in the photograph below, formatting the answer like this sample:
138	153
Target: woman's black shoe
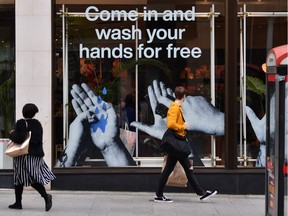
48	202
15	206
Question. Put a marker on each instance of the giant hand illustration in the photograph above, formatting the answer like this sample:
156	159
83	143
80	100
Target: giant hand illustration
202	116
100	115
76	130
156	95
101	118
198	113
259	127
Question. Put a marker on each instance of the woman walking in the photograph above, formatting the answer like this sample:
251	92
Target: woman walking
30	169
175	121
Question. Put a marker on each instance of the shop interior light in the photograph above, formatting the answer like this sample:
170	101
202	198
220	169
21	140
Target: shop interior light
264	67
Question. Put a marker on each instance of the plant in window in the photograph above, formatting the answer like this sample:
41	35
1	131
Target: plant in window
257	86
7	101
7	93
109	88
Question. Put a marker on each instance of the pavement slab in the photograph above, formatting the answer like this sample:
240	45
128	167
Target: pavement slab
101	203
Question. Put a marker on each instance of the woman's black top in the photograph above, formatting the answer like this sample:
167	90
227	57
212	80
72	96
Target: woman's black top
19	134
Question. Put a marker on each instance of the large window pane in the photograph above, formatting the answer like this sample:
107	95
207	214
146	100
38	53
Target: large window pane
7	78
262	35
117	79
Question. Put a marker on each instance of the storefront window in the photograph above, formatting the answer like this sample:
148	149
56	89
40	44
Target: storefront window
7	77
124	59
121	75
260	34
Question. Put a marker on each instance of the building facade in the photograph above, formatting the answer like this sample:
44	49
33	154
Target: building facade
102	74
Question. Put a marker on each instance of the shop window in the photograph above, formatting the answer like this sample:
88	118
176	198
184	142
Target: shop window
7	78
118	73
261	31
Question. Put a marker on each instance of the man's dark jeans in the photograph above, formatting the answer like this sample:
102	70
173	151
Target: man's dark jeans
170	164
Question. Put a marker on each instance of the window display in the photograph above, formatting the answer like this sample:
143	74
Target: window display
132	63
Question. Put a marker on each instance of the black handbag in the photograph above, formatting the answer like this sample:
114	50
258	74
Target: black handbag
173	143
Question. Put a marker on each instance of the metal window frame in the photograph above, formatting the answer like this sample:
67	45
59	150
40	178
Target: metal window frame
243	15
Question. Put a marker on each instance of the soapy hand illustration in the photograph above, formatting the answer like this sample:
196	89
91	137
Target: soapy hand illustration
98	117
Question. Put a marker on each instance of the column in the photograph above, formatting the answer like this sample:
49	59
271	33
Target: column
34	62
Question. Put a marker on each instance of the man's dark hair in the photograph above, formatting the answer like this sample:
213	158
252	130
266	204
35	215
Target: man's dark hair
180	92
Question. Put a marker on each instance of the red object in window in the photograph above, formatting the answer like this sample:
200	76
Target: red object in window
285	169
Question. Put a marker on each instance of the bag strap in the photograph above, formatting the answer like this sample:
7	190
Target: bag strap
126	127
182	115
184	121
27	126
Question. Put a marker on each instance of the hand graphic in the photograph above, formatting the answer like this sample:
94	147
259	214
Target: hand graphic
100	115
202	116
102	123
156	95
198	113
259	126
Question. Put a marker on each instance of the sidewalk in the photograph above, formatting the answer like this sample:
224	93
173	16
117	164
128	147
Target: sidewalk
82	203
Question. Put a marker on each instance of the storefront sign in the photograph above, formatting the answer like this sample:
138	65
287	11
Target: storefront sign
92	13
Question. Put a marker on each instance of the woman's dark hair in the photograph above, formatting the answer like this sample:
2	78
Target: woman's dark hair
180	92
29	110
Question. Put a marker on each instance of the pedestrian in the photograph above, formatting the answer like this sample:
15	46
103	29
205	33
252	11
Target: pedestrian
30	169
176	122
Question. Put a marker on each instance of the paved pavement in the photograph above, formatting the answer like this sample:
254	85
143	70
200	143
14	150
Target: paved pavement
82	203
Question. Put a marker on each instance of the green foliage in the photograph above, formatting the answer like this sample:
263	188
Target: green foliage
130	64
114	87
255	85
7	104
